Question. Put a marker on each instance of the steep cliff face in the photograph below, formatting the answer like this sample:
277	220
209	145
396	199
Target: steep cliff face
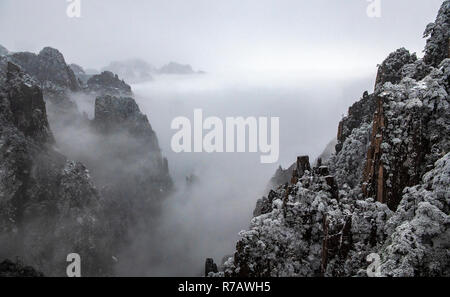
409	134
359	113
130	163
308	229
108	83
45	199
50	70
120	146
122	113
384	191
438	47
391	68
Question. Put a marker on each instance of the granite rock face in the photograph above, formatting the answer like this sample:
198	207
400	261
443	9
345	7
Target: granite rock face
77	69
410	133
283	176
55	78
122	113
121	150
210	267
391	68
438	47
142	173
108	83
385	189
49	68
45	198
67	89
359	113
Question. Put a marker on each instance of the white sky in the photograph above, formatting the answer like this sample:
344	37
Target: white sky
251	36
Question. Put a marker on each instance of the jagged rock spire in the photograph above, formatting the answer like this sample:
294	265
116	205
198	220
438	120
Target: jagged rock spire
438	47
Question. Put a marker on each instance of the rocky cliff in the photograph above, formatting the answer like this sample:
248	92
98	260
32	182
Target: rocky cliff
11	269
128	164
108	83
385	189
49	205
53	75
176	68
80	74
116	115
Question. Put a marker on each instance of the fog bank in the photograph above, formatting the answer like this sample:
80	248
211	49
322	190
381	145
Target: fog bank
202	219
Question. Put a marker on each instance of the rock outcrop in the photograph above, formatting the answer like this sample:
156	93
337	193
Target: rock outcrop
118	145
108	83
49	68
51	206
77	69
359	113
281	176
407	134
114	114
80	74
391	68
384	191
